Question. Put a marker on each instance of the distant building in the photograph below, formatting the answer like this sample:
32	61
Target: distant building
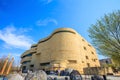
64	48
106	61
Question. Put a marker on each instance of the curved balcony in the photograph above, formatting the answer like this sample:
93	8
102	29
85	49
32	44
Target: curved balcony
25	53
31	51
28	58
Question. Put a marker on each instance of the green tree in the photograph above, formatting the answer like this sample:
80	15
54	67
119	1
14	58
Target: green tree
105	35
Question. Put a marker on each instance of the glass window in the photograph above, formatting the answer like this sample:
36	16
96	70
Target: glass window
45	64
27	55
72	61
86	57
32	65
25	62
88	64
92	52
85	48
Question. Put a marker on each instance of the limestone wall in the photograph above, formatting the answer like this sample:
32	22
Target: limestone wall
64	48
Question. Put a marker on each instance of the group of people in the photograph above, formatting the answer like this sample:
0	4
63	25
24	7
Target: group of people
72	74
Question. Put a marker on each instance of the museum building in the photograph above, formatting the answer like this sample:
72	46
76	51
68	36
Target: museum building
64	48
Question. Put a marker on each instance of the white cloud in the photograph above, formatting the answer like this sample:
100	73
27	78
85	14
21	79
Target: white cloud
15	55
45	22
13	39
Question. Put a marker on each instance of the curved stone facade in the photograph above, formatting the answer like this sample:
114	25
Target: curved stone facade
64	48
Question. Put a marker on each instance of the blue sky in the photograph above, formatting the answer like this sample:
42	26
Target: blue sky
24	22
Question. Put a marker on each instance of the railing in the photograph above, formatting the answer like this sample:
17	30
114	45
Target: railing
26	59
